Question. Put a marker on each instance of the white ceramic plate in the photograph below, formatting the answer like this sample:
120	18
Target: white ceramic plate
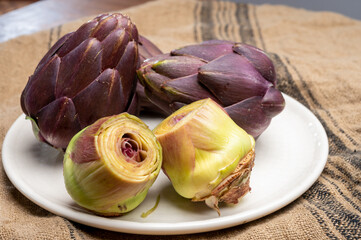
290	156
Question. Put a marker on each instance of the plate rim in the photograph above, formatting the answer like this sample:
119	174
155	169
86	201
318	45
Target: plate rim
189	227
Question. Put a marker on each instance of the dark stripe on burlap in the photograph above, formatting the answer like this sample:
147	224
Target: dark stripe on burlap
54	35
74	233
196	21
206	29
221	22
58	32
343	176
206	24
322	222
70	228
356	194
245	28
50	40
258	28
340	174
347	223
219	19
228	33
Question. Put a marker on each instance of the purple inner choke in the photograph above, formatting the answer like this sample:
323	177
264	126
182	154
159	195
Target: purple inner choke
177	118
130	150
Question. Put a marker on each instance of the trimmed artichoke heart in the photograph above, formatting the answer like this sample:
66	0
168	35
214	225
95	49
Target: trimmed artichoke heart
206	156
110	165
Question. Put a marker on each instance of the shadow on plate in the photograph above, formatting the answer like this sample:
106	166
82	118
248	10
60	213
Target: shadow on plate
44	154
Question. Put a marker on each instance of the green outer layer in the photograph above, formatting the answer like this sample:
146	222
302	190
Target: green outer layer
35	127
79	195
202	149
91	171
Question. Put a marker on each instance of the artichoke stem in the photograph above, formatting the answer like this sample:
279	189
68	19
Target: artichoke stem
212	202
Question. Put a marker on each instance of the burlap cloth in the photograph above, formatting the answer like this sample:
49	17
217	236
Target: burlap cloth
318	60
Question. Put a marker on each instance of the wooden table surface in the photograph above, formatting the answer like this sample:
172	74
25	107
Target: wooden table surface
28	16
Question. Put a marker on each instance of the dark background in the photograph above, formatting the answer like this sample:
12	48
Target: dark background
351	8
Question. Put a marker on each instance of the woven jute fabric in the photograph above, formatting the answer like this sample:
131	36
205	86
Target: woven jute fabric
318	62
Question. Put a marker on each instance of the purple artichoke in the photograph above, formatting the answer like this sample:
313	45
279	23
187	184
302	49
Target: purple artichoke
239	77
147	49
86	75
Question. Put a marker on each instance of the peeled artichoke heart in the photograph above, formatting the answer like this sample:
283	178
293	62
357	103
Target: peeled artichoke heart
110	165
206	155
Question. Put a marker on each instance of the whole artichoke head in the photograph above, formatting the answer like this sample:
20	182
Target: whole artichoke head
239	77
86	75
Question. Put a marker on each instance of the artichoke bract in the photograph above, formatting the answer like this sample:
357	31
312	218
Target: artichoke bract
239	77
147	50
87	74
110	165
206	155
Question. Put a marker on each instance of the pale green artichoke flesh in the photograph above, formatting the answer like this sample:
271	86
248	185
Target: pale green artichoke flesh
100	171
205	154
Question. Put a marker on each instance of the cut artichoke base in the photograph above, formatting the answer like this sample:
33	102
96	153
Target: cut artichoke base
229	185
113	164
172	123
124	207
233	187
